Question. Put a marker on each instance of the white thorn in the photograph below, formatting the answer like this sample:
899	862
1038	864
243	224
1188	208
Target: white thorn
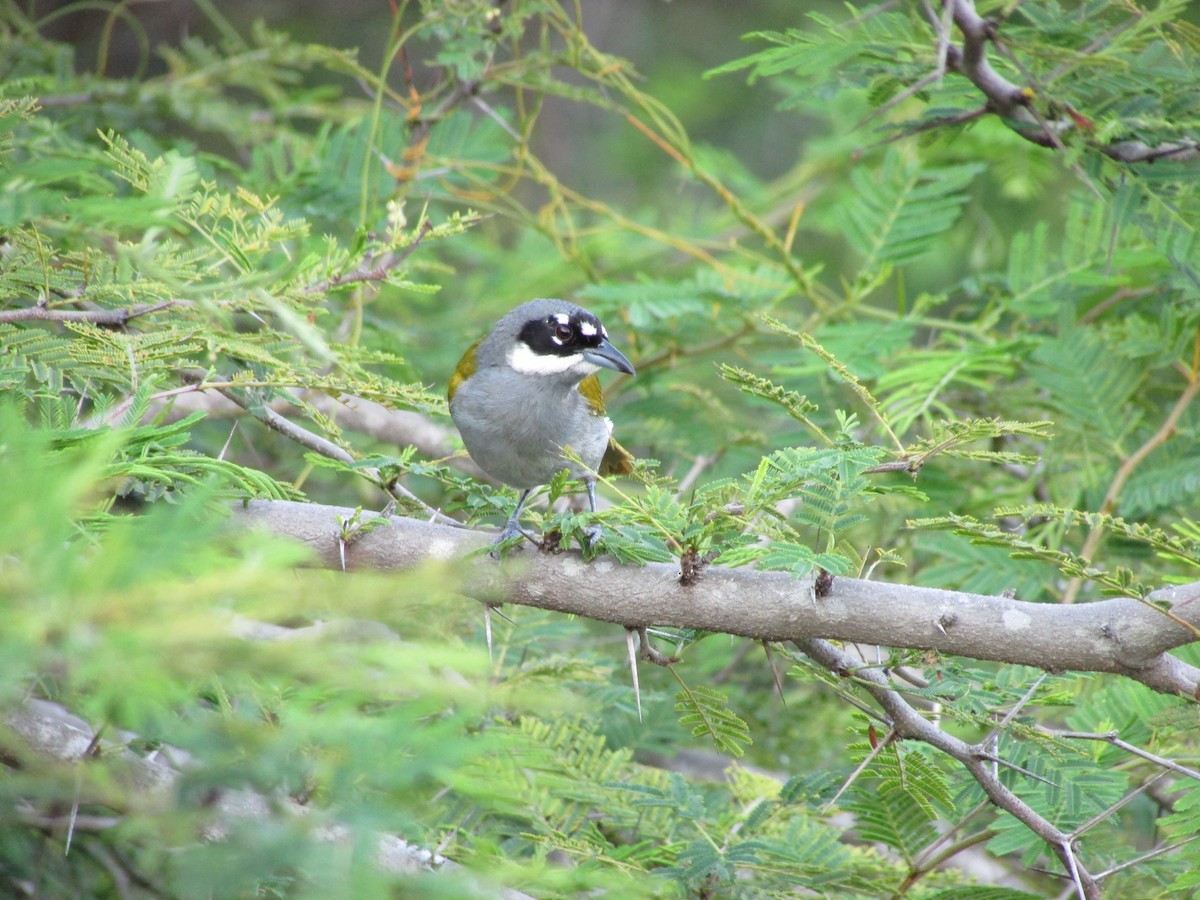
487	630
630	645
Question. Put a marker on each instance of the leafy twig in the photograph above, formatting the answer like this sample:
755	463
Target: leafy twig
908	723
373	270
1164	433
329	449
41	313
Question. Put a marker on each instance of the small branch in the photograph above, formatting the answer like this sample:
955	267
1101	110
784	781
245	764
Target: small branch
1147	856
289	429
910	724
1114	808
860	768
1015	102
398	427
329	449
373	270
910	464
971	61
1110	737
1183	150
118	317
1165	432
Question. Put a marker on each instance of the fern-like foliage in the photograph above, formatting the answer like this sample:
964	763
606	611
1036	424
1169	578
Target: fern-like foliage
1119	582
900	211
704	711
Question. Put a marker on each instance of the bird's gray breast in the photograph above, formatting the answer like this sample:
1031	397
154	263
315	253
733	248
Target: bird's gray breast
515	426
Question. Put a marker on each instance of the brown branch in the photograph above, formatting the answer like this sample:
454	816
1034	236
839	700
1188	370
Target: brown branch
118	317
970	59
1119	636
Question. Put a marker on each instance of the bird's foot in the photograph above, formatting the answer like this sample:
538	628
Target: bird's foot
511	538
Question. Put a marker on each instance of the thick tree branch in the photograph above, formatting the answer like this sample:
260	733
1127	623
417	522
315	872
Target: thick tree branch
1119	636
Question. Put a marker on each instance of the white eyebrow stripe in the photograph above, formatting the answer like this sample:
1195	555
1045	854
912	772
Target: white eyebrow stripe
587	328
562	318
525	361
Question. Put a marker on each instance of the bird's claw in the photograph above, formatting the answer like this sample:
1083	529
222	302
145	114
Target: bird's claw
504	543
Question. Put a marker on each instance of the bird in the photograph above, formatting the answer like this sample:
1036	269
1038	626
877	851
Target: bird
526	393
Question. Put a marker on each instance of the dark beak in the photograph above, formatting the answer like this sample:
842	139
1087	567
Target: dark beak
609	357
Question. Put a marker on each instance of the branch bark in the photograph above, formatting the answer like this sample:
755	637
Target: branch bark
1121	636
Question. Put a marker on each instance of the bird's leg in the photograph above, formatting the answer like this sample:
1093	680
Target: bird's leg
512	528
593	531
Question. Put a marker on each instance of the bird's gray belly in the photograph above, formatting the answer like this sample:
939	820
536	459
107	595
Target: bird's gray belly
524	448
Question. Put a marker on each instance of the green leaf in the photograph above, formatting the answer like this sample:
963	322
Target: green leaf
703	711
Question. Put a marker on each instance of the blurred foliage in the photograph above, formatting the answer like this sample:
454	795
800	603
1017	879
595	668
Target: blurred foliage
939	354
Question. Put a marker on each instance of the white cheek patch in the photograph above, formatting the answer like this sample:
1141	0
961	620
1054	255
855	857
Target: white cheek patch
525	361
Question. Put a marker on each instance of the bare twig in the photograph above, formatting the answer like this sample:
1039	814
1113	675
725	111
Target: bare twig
1111	737
860	768
398	427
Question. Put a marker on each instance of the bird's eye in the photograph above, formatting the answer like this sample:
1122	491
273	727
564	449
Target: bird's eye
564	332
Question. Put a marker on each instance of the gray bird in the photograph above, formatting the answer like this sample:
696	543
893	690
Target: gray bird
527	390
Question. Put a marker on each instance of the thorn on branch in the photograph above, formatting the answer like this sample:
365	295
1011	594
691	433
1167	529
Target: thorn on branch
822	584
